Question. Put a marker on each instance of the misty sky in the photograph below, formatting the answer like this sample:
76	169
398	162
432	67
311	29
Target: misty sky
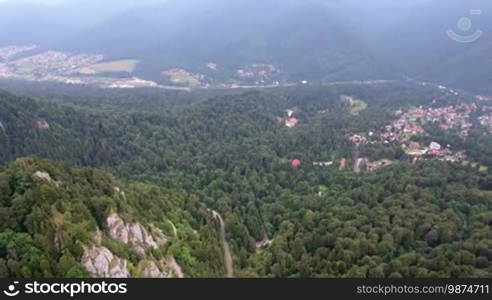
19	18
59	2
46	2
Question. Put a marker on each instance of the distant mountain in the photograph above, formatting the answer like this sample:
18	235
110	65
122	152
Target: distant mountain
303	37
308	39
311	40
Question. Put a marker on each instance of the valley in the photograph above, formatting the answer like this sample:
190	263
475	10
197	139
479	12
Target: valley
95	70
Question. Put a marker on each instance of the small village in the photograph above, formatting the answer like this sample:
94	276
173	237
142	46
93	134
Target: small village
17	62
258	74
412	122
53	62
409	123
9	52
400	132
60	67
486	121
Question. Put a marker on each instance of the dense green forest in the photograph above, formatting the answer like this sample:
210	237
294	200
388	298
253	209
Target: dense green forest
231	152
72	204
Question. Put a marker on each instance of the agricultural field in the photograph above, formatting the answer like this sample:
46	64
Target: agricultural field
126	65
183	77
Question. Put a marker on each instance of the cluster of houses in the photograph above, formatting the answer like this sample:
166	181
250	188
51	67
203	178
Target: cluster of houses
434	150
411	123
453	117
357	139
9	52
55	66
486	121
54	62
258	74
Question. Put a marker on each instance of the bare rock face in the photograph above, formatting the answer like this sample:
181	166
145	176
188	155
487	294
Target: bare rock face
166	268
135	235
171	263
47	177
120	192
102	263
58	240
149	269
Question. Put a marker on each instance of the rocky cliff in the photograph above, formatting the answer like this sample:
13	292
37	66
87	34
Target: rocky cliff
100	262
135	235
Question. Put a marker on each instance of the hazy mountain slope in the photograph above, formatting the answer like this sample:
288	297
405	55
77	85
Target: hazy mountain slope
417	44
305	38
47	23
315	39
308	39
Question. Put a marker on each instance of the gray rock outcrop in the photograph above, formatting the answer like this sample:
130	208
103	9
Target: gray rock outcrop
102	263
135	235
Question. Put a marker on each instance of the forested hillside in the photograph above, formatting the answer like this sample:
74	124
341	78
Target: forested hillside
52	214
308	179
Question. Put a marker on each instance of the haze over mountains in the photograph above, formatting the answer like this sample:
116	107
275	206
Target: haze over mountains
312	40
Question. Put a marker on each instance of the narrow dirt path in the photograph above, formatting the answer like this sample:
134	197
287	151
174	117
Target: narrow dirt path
225	245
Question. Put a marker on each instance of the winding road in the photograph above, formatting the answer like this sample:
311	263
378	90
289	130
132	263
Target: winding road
225	245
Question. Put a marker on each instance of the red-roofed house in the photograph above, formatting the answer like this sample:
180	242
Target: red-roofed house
291	122
296	163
